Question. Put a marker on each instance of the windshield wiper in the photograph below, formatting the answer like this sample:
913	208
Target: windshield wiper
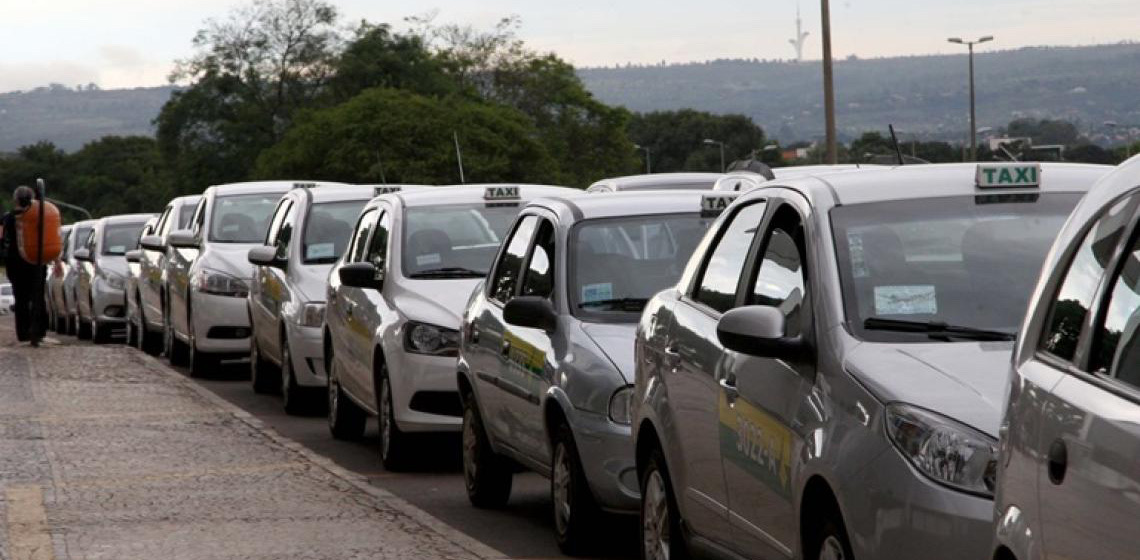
625	304
448	272
936	329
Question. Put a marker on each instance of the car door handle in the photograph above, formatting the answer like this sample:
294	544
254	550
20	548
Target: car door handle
1058	461
730	390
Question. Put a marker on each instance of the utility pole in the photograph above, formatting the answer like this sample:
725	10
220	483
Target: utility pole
711	142
828	86
801	36
973	105
459	157
648	167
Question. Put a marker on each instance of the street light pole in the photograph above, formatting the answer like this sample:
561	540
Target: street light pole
828	85
648	167
711	142
973	105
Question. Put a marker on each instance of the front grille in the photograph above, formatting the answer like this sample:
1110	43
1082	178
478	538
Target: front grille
229	333
445	403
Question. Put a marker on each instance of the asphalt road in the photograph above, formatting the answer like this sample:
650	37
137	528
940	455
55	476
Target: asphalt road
523	529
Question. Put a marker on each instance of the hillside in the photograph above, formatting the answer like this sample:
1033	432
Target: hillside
70	118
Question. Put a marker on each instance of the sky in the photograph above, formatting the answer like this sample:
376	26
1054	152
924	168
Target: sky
128	43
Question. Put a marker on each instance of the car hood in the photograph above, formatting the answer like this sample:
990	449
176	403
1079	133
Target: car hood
311	280
616	342
231	258
439	302
113	263
965	381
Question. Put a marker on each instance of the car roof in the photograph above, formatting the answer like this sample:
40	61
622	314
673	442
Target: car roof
188	199
254	187
337	193
929	181
661	181
460	194
126	218
802	170
627	203
84	223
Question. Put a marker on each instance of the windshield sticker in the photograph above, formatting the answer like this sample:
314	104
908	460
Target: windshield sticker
431	258
320	250
858	262
905	300
118	249
597	292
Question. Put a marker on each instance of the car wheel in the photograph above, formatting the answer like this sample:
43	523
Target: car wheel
660	518
346	420
83	331
487	475
175	350
829	541
60	326
201	363
264	377
100	334
295	398
575	513
393	442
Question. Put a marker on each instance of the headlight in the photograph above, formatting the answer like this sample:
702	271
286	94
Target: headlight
422	338
113	279
947	451
219	283
312	314
620	405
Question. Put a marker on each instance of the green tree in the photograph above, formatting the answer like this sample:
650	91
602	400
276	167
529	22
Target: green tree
407	138
377	57
118	175
1044	131
1091	153
676	138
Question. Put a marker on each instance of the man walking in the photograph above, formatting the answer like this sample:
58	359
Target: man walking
26	278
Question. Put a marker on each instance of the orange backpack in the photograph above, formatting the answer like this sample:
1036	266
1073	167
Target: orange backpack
28	233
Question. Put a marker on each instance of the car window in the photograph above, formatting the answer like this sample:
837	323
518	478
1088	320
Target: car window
1071	305
284	237
453	237
538	280
199	220
242	218
81	236
717	287
120	238
160	228
780	282
1116	346
185	214
275	221
378	245
360	236
510	263
328	230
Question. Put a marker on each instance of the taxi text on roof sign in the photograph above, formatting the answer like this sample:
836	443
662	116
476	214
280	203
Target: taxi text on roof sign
501	193
386	189
1008	175
714	204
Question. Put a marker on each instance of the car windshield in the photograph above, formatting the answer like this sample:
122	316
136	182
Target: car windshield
242	218
916	270
455	238
328	230
617	264
120	238
184	215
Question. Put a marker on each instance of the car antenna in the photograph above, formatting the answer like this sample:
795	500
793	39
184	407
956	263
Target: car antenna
895	144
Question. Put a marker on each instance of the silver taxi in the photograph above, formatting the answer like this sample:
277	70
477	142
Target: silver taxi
102	283
394	302
62	287
656	182
155	261
308	232
825	381
742	181
1069	475
53	290
133	272
545	351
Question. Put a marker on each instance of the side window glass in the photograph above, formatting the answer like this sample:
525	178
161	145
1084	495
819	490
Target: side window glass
1071	306
539	277
510	263
780	281
378	246
717	288
360	236
160	228
275	221
1116	348
199	218
285	232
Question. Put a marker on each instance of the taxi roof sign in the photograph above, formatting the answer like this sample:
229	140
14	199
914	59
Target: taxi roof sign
385	189
501	193
714	204
1011	175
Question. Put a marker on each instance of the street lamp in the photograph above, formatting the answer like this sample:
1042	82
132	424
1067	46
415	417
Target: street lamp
973	112
711	142
828	85
648	167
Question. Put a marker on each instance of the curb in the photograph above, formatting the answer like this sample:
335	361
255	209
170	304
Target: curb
459	538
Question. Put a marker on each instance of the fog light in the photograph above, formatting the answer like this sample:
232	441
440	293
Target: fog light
113	311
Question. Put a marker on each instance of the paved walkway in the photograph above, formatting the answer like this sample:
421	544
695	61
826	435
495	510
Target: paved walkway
107	454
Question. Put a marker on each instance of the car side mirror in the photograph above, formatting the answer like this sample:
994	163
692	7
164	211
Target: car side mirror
83	255
266	255
759	330
361	275
531	311
152	243
134	256
183	239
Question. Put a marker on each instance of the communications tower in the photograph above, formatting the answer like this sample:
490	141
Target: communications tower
801	36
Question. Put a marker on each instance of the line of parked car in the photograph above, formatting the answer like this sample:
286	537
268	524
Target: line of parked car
806	363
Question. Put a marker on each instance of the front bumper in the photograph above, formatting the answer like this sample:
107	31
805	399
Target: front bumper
894	511
109	305
308	350
607	455
221	323
428	375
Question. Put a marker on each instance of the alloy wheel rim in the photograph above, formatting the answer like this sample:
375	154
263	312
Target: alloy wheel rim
831	549
385	420
560	483
655	518
470	467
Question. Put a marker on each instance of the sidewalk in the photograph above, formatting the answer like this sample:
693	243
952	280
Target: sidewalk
107	454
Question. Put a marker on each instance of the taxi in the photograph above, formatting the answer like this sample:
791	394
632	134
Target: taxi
132	291
1068	475
656	182
53	289
826	378
156	259
101	288
394	300
545	352
741	181
308	232
62	287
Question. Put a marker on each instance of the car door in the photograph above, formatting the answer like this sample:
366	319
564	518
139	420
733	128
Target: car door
1088	449
693	379
87	272
373	306
265	294
493	346
764	402
347	330
530	352
150	271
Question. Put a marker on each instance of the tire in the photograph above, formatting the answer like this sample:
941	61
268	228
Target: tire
83	330
263	375
200	363
147	341
394	444
660	519
132	334
575	512
346	420
296	399
828	540
487	475
175	349
100	334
